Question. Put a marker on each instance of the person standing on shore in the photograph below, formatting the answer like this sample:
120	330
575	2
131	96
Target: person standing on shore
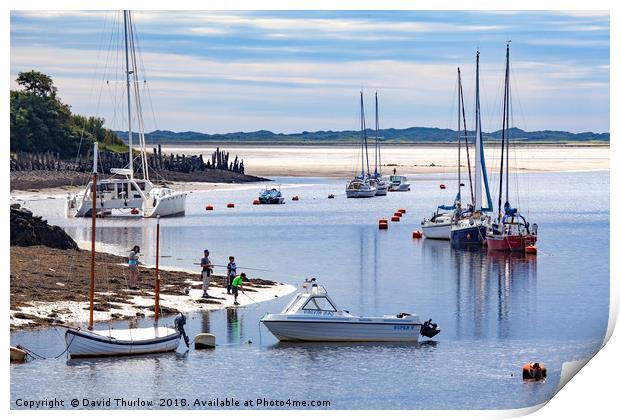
237	284
207	267
132	263
231	273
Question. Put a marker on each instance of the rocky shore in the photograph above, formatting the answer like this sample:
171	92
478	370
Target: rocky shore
30	230
41	179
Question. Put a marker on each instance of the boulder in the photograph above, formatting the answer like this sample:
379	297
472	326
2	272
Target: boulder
29	230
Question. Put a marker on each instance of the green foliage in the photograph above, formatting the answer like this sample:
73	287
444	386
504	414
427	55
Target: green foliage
40	122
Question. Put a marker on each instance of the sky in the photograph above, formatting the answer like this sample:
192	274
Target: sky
293	71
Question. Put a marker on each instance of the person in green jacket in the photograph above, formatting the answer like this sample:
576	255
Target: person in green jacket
237	284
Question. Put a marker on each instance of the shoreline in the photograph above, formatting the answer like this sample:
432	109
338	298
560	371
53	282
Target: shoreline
56	294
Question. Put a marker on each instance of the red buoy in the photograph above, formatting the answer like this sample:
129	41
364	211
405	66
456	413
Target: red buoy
534	371
442	186
256	202
398	213
401	210
230	205
531	249
330	196
383	224
295	198
135	211
395	218
209	207
416	234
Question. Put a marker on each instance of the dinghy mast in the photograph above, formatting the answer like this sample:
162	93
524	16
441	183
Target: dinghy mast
93	191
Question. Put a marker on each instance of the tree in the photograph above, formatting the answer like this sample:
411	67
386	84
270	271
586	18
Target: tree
37	83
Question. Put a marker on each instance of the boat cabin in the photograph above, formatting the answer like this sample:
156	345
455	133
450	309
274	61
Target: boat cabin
316	301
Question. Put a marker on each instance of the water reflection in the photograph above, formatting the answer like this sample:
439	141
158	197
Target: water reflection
233	326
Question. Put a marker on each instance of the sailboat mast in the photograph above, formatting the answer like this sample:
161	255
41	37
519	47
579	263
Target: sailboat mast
471	184
126	23
507	113
362	127
458	132
376	133
157	272
478	175
93	191
504	140
365	137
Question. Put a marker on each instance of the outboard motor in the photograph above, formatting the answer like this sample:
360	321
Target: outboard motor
429	329
179	323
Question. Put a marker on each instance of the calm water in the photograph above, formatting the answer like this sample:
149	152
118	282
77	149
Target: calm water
496	312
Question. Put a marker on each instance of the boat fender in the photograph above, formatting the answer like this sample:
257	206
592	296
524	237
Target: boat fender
179	325
534	371
429	329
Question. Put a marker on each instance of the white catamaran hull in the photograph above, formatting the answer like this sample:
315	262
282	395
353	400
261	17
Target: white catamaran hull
168	205
84	343
342	329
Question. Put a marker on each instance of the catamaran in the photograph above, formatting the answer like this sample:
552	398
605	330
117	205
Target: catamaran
470	226
382	186
362	186
439	225
122	193
510	232
121	341
312	315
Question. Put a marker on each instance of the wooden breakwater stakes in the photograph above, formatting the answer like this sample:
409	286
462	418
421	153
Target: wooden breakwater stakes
204	341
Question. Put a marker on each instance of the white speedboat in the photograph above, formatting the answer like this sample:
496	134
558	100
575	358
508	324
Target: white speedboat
313	316
360	188
398	183
271	196
438	226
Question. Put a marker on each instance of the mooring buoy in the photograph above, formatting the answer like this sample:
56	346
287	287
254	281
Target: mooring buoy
204	341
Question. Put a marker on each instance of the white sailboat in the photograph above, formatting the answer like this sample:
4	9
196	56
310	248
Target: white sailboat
126	193
121	341
362	186
382	186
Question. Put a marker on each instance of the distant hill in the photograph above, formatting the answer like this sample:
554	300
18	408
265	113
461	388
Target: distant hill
390	135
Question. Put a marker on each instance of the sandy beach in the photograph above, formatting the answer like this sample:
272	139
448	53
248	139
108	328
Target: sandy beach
50	287
342	161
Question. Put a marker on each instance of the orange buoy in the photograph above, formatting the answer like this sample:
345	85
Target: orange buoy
416	234
534	371
209	207
442	186
401	210
397	213
135	211
295	198
256	202
395	218
230	205
383	224
531	249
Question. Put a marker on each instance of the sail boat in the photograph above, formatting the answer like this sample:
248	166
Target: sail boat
121	342
438	226
362	186
129	193
470	226
511	232
382	186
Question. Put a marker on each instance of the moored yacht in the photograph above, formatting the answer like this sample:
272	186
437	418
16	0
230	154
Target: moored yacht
398	183
313	316
271	196
362	186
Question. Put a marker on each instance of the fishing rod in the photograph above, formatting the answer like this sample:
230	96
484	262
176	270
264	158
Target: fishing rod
238	267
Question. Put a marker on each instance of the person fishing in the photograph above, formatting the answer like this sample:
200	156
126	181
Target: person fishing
132	263
237	284
207	269
231	272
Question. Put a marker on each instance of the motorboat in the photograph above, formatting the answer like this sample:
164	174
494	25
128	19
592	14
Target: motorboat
398	183
437	226
271	196
360	188
312	315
